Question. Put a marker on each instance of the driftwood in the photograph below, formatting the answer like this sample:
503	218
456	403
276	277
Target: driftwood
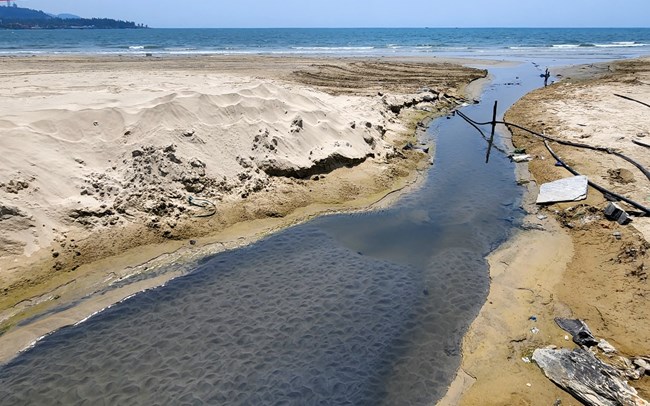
587	378
611	151
631	99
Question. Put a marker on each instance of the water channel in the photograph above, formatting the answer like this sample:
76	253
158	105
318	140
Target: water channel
355	309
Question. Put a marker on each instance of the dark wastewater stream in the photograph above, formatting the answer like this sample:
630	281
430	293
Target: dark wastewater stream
358	309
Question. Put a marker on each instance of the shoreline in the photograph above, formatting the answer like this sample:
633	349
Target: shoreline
556	270
95	276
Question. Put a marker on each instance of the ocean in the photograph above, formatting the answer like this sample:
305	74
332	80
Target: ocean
499	43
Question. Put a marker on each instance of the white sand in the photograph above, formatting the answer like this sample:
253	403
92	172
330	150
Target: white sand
63	133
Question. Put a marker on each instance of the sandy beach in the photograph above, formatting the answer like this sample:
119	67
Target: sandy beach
120	166
572	261
114	167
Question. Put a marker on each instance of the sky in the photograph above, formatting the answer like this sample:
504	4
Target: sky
358	13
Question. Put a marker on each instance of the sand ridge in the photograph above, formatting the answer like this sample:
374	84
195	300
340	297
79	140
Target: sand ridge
102	155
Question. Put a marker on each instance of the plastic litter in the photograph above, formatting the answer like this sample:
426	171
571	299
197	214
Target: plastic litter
579	330
606	347
614	212
522	158
563	190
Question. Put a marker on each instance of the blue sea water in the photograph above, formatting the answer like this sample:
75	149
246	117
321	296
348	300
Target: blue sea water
501	43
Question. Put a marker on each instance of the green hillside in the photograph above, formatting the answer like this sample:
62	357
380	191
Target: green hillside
24	18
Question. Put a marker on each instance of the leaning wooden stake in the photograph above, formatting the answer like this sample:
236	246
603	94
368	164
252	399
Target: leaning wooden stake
494	125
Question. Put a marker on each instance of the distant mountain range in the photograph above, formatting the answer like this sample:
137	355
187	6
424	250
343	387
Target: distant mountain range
14	17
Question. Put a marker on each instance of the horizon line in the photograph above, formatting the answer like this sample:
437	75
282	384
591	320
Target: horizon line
402	27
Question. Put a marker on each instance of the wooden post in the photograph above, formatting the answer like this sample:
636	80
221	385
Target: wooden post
547	75
494	124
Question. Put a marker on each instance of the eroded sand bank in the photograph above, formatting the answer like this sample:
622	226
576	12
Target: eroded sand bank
102	155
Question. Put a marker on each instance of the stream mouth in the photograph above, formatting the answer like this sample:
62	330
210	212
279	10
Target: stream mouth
356	309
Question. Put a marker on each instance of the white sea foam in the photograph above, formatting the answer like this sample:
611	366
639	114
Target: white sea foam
623	44
332	48
567	46
180	49
91	315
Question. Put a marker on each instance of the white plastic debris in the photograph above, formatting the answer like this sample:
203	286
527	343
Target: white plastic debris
563	190
526	360
534	330
522	158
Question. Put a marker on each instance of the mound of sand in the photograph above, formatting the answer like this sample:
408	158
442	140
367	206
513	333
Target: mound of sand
105	155
92	163
104	161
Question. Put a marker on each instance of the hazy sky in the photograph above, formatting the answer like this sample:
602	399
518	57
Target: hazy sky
359	13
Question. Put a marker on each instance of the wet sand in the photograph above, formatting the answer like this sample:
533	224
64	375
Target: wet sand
574	267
